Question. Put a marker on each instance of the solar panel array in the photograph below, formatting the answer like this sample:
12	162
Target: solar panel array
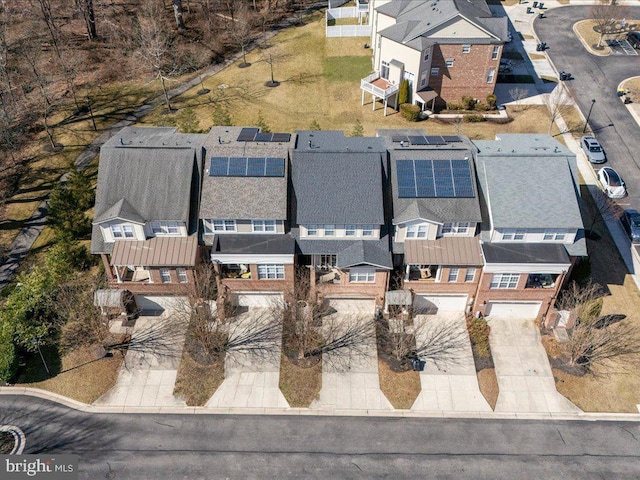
426	139
254	135
246	167
434	179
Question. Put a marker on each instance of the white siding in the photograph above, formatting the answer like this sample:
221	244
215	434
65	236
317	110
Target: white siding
401	230
182	229
390	50
535	235
138	231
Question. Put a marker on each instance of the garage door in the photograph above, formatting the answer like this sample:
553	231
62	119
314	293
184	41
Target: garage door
353	306
432	304
513	309
257	299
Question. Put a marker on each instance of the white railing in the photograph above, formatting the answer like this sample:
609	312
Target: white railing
346	30
344	12
367	86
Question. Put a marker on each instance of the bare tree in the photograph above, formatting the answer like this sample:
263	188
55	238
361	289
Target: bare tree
85	7
242	32
559	103
605	16
154	46
518	94
178	13
598	344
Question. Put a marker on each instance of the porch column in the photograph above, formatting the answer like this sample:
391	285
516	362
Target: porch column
216	269
117	273
373	102
406	273
312	283
385	106
107	268
362	96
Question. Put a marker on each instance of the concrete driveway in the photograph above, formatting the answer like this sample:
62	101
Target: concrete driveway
251	377
524	375
350	379
448	386
148	374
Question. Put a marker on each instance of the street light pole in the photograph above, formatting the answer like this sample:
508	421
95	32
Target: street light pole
586	122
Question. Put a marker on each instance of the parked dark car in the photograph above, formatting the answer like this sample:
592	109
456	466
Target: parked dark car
631	223
634	39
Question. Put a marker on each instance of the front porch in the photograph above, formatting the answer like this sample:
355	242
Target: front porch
380	88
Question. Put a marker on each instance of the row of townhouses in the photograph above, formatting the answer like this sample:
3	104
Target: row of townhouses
489	226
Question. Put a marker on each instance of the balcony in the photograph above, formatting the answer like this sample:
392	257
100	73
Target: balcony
236	271
541	280
421	273
378	87
327	274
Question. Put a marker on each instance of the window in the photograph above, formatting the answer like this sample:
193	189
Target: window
495	52
513	235
491	75
466	48
128	231
453	274
349	230
554	235
165	276
165	228
270	272
367	230
470	276
182	275
116	231
362	275
435	71
328	260
417	231
263	225
329	230
426	55
449	62
423	79
312	230
384	70
223	225
505	280
456	228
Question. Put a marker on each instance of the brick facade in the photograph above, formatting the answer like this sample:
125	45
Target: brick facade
254	284
430	286
157	287
467	76
345	288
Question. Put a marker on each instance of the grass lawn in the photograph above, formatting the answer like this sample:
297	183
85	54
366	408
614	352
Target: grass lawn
197	383
585	29
401	389
300	386
607	390
78	374
319	80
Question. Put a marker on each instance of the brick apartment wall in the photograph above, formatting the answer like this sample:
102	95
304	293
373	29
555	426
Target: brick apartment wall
486	294
157	287
375	289
253	284
444	286
467	77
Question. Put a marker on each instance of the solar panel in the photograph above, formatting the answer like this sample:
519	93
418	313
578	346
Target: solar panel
434	179
247	134
237	167
435	140
451	138
418	140
255	167
399	138
275	167
281	137
219	166
263	137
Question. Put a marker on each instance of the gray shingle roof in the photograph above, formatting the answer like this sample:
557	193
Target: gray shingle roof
337	187
350	252
121	209
260	198
530	183
419	18
544	253
436	209
254	244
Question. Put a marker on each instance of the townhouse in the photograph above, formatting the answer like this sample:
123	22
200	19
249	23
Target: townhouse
445	49
488	227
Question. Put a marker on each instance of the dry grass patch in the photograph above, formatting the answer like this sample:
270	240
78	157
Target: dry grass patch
400	388
300	386
320	80
196	383
81	376
536	56
488	383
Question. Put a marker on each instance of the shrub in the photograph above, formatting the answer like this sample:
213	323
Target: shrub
314	125
483	107
188	121
410	112
500	120
8	358
403	93
479	335
358	129
454	106
473	118
468	103
491	100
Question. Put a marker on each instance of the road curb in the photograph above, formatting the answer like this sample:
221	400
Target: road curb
334	412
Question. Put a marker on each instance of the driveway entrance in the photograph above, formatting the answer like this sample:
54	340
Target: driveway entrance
524	375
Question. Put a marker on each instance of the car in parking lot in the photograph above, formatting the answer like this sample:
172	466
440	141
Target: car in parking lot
631	222
634	39
612	183
592	149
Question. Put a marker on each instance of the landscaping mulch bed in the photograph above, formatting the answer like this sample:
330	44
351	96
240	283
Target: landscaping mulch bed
7	442
300	382
483	360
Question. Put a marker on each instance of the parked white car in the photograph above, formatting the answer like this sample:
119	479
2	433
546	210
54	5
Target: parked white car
612	183
593	150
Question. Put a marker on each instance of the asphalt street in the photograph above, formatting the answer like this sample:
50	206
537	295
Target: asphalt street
598	78
150	446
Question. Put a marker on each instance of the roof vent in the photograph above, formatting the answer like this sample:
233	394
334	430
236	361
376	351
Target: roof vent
310	146
556	150
219	139
121	141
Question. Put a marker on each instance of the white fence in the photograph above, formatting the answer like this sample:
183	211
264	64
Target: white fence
345	30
